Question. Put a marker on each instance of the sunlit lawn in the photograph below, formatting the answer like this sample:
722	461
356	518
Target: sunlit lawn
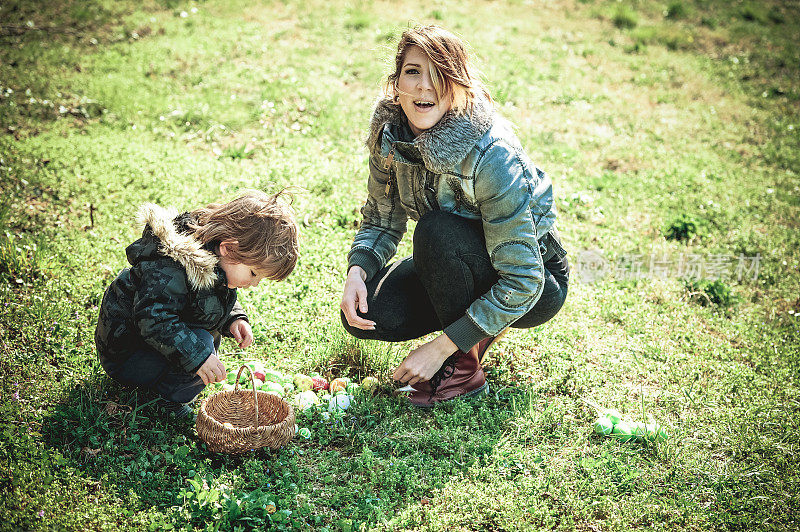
670	131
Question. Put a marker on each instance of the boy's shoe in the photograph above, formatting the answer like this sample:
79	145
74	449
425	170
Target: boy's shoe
179	410
461	375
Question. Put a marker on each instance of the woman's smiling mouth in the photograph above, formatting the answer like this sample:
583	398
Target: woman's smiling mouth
423	106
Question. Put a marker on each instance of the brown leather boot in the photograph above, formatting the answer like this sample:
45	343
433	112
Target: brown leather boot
461	375
484	345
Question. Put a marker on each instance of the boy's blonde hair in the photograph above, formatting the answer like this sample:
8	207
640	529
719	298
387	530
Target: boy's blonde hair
451	72
263	226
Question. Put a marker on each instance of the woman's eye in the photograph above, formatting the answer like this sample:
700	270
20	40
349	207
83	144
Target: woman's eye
252	273
412	71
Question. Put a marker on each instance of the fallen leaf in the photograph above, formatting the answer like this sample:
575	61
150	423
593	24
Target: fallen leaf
113	407
92	453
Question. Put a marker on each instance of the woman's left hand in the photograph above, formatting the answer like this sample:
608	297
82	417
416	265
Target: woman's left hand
242	333
423	362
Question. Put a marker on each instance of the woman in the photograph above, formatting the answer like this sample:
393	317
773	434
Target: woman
486	253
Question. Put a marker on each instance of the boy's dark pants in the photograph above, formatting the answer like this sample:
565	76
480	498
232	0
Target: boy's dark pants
449	270
147	368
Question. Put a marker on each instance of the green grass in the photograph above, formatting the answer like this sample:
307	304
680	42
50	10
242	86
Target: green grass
669	129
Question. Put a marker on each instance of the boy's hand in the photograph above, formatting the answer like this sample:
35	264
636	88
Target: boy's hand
212	370
242	333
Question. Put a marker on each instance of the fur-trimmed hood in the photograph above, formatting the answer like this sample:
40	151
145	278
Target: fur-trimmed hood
445	145
161	236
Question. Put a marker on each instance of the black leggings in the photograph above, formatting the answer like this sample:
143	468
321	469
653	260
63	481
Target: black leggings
451	260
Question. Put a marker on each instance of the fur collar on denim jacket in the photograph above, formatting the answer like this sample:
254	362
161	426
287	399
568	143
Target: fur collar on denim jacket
445	145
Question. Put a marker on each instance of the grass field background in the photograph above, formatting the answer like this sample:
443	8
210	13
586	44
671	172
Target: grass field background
671	131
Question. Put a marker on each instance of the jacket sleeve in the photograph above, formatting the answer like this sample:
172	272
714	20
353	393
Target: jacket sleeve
157	307
504	188
384	221
237	313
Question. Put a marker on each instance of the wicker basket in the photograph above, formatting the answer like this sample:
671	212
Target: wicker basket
274	426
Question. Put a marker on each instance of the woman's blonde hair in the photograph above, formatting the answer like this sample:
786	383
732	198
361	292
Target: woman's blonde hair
262	224
451	71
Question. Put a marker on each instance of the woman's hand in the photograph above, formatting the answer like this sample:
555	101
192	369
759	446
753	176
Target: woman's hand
421	364
212	370
355	297
242	333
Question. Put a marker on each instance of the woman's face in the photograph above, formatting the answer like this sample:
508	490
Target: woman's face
417	94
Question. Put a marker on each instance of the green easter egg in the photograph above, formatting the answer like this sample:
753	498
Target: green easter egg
369	384
612	414
305	433
273	375
303	382
272	387
231	378
623	432
603	426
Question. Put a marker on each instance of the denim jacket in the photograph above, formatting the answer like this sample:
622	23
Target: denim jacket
470	164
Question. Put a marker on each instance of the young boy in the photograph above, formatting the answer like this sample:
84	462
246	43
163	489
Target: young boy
161	319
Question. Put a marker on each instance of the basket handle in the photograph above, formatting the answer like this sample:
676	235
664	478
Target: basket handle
253	384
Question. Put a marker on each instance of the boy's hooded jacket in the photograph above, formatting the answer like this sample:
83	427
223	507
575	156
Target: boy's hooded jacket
470	164
174	285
